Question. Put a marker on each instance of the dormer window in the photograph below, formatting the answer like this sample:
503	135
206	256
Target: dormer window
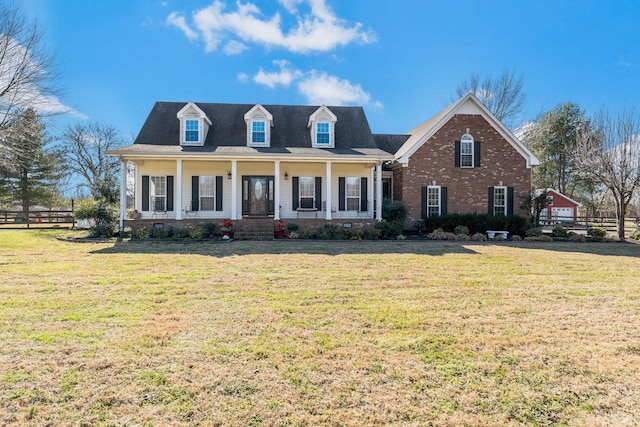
322	124
259	122
191	132
194	125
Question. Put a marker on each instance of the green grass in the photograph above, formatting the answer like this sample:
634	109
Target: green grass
304	333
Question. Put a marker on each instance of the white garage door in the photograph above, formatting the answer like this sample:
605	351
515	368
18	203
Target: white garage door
562	214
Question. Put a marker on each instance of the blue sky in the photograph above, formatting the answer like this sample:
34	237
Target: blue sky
401	60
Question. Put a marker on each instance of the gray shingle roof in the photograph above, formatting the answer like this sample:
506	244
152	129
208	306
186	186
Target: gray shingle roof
390	143
228	127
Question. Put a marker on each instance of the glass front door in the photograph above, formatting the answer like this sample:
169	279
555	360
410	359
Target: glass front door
257	196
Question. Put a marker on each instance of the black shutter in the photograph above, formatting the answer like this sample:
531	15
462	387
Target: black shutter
364	191
457	154
295	193
476	154
169	193
423	203
341	194
145	193
319	193
443	201
218	193
195	193
509	201
490	198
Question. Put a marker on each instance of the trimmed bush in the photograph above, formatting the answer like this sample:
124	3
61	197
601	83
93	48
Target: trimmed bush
559	231
461	229
577	238
596	232
291	227
210	229
475	223
103	214
195	233
635	236
142	233
388	230
534	232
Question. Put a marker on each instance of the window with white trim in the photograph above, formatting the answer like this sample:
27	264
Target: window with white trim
258	132
207	194
352	193
191	131
500	201
307	191
466	151
158	193
433	201
323	136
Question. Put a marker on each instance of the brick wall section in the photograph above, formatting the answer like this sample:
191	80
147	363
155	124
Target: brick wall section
467	187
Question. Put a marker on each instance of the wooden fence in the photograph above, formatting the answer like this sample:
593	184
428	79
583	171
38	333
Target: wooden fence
610	224
37	218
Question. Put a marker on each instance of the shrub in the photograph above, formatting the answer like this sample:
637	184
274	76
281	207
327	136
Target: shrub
158	233
440	234
292	226
479	237
371	233
533	232
596	232
559	231
388	230
395	211
210	229
195	233
577	238
103	214
635	236
142	233
476	223
306	233
461	229
516	238
294	235
181	233
541	238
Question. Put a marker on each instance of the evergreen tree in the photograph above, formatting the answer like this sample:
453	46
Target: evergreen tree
31	173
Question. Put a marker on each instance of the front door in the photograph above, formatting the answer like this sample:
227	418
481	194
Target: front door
257	196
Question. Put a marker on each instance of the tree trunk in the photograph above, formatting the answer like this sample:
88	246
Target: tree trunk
621	208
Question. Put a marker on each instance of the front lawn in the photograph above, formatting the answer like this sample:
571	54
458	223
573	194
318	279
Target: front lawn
306	333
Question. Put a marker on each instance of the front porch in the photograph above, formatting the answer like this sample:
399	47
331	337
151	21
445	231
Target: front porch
193	191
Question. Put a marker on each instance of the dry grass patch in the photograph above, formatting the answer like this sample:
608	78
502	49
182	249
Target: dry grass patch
317	333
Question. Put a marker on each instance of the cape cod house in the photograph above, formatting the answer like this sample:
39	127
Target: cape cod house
207	162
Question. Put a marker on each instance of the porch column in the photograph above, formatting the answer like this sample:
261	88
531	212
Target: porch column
328	201
178	190
234	191
379	192
276	196
123	192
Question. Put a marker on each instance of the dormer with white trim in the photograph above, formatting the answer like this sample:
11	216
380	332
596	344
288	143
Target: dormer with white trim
194	125
259	123
322	124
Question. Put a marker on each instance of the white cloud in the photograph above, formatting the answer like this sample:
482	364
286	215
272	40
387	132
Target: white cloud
178	20
317	87
283	77
319	30
321	88
235	48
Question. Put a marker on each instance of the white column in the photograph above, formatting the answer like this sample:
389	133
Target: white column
379	192
276	191
123	192
328	201
178	189
371	192
234	191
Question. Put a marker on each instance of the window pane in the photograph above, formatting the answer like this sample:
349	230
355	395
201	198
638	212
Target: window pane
499	201
433	201
158	186
307	186
466	154
323	133
191	128
352	192
207	193
258	133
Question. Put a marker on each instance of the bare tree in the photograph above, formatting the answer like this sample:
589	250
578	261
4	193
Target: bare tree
503	95
610	155
84	146
26	68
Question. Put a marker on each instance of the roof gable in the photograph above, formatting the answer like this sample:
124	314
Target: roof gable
468	104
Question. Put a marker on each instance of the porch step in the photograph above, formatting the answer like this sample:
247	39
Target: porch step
254	229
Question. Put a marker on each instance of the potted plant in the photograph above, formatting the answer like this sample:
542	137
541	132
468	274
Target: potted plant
227	229
279	234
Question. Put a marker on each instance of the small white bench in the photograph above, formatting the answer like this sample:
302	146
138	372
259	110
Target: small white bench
491	234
